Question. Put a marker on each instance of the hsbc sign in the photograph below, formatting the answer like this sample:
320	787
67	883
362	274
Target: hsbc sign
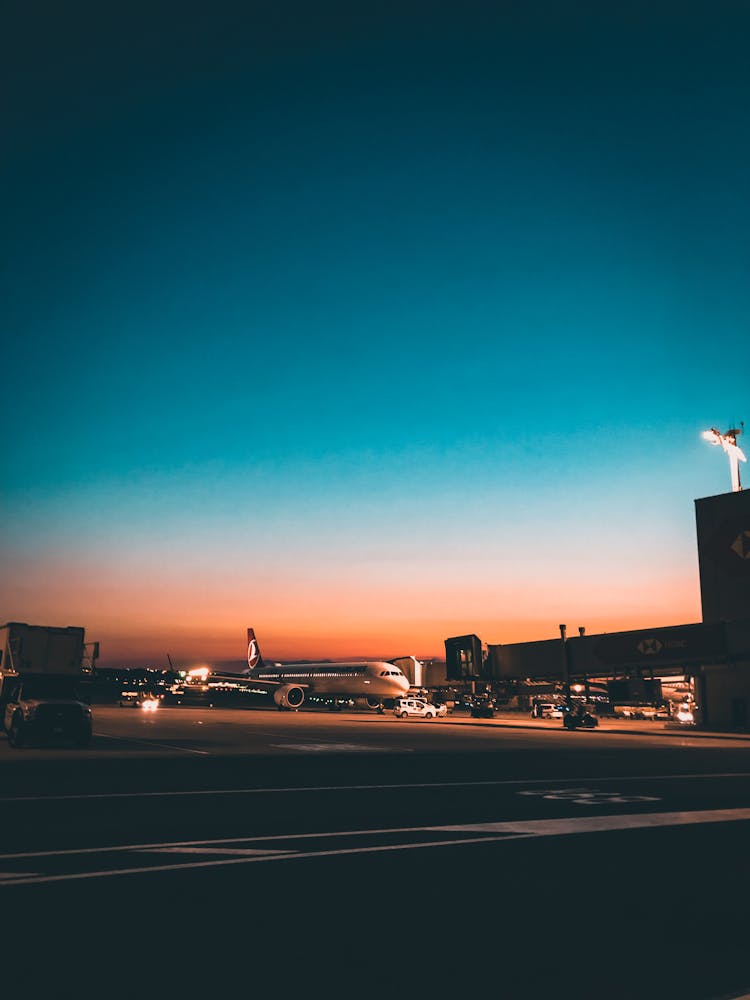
652	647
649	647
680	644
741	545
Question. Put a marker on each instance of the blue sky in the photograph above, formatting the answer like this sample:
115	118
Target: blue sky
334	318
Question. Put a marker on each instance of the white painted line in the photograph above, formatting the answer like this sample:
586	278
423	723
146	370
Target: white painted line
489	833
599	824
152	743
541	827
287	856
214	850
294	789
197	844
337	748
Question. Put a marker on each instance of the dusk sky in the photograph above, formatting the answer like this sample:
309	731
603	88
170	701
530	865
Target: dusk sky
367	324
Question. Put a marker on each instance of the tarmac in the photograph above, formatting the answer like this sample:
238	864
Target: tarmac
633	727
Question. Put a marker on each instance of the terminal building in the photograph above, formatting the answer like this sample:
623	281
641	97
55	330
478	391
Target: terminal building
711	658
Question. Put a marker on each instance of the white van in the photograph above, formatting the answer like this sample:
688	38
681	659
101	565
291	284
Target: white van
404	707
546	710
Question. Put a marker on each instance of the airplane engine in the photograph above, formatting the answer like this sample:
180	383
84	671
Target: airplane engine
289	696
371	702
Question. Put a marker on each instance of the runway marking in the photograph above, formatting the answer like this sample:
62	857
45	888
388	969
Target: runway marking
274	856
152	743
600	824
213	850
197	845
588	796
295	789
336	747
485	833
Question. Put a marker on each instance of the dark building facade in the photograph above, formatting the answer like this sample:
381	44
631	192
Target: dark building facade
723	526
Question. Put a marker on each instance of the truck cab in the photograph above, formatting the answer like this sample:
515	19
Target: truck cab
43	707
44	671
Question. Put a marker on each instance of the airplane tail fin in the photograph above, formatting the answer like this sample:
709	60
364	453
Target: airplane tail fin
254	658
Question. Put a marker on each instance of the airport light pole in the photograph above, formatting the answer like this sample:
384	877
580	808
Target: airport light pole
586	688
735	454
566	665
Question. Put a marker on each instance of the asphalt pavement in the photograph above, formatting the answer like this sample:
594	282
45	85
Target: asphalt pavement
627	727
307	852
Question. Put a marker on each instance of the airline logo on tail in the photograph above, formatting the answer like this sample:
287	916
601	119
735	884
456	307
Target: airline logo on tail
253	651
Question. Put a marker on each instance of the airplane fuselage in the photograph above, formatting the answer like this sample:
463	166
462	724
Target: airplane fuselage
371	679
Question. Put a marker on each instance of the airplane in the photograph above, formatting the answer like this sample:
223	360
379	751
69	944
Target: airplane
368	681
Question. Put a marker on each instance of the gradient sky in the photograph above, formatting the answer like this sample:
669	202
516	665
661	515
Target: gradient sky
368	323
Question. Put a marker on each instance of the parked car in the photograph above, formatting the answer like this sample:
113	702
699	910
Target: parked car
405	707
546	710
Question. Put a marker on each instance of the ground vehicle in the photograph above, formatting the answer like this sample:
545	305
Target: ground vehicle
577	717
43	671
685	716
404	707
546	710
463	702
146	700
483	709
